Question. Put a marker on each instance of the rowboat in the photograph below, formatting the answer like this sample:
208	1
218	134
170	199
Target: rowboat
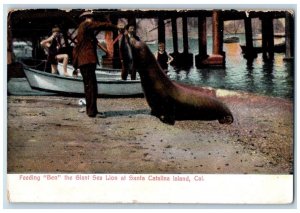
278	48
232	39
150	42
109	83
100	71
21	87
74	86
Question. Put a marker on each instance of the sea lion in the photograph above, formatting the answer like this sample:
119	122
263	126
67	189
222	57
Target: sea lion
170	101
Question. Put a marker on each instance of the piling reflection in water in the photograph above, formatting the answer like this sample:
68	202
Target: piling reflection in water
272	78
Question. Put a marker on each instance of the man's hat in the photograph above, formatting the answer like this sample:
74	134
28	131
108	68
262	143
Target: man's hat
86	14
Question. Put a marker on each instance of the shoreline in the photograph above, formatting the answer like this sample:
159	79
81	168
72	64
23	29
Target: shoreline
24	89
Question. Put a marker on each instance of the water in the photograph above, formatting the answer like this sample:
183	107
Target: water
272	79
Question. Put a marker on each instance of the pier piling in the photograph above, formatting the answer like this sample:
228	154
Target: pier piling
23	23
202	42
186	58
289	36
267	37
250	52
175	53
161	30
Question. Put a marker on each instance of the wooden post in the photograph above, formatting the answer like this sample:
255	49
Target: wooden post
185	35
218	57
289	43
161	30
186	58
249	54
175	36
116	51
267	38
175	53
10	57
108	58
292	30
221	34
216	27
271	39
264	37
202	40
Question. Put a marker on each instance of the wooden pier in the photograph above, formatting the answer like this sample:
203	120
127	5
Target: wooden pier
33	24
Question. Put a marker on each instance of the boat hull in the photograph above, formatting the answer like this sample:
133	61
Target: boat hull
74	86
232	40
278	48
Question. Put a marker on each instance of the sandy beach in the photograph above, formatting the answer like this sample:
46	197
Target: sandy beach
53	134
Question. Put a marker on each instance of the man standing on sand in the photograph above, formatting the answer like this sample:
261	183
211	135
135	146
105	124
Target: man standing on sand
85	57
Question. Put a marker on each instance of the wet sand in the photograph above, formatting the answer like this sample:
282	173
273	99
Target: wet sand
52	134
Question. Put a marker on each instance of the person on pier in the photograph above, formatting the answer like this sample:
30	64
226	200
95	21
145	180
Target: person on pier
53	46
128	66
163	58
85	57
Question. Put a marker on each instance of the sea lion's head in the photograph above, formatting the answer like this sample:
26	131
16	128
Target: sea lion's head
142	55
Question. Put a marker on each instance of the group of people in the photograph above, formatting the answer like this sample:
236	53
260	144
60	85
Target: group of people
85	55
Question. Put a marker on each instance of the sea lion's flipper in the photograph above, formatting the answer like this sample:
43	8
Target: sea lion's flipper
168	119
168	115
154	113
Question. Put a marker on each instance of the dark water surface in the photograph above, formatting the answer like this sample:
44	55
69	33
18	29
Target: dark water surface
274	78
